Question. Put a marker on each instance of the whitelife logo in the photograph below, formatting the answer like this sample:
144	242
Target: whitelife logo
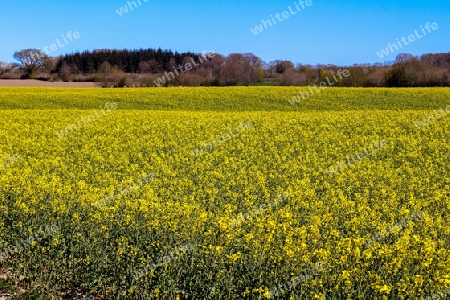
124	10
353	159
86	120
284	15
323	85
187	67
58	45
411	39
11	159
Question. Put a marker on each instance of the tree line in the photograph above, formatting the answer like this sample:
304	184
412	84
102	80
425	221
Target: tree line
151	67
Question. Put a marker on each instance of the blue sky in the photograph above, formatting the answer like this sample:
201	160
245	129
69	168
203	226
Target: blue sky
339	32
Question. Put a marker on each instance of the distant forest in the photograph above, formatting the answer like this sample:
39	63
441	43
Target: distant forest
156	67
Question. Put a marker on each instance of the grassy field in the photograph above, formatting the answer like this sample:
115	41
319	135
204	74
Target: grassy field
224	193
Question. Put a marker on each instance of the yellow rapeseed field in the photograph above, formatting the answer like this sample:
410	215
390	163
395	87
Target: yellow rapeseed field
224	193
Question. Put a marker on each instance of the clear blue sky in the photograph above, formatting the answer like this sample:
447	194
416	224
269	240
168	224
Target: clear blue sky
341	32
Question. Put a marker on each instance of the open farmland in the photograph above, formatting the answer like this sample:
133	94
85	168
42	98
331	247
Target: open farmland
225	193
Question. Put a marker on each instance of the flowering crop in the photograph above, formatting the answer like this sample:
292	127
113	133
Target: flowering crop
258	214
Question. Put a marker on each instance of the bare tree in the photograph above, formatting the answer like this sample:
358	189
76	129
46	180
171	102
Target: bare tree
230	73
4	67
257	65
105	69
377	78
292	77
403	57
65	72
238	70
144	67
151	66
253	60
31	60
